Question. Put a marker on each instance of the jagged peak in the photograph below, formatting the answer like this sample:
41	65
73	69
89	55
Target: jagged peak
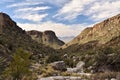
103	23
47	37
34	32
49	32
4	17
5	20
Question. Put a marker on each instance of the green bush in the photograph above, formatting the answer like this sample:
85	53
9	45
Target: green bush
19	66
53	58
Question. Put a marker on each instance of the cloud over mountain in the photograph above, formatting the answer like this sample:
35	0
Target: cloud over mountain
68	16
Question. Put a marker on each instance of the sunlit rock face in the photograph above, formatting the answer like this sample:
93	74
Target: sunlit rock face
48	38
101	32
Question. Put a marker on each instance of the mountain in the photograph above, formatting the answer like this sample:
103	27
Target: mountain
98	46
48	38
101	32
13	37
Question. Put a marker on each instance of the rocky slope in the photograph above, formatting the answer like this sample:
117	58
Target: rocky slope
101	32
98	46
13	37
47	37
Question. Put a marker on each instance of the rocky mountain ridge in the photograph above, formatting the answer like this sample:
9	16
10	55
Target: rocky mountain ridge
48	38
101	32
13	37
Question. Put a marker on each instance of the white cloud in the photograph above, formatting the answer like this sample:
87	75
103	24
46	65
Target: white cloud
4	1
25	3
31	17
58	3
29	10
96	10
60	29
32	9
104	9
72	9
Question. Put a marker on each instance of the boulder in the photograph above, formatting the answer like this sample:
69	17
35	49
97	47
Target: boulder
59	65
80	64
77	69
65	56
72	70
113	79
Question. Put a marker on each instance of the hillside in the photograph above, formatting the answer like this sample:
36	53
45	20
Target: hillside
101	32
98	46
48	38
13	37
97	49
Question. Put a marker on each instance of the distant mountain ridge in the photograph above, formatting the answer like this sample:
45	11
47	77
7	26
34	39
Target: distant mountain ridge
101	32
48	38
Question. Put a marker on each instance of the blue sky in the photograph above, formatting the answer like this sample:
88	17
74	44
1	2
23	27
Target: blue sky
65	17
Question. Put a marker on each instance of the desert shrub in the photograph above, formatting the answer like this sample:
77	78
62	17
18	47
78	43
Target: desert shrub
53	58
19	66
48	71
107	50
106	75
70	62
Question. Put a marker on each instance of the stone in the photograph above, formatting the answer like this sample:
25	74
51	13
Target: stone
65	55
77	69
59	65
72	70
113	79
80	64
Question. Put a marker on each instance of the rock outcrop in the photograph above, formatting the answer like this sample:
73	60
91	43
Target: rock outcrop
48	38
59	65
101	32
13	37
77	69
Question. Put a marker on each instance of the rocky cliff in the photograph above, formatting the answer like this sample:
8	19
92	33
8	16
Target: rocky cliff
13	37
48	38
101	32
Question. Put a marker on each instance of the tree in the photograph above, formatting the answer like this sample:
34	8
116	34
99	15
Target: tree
19	66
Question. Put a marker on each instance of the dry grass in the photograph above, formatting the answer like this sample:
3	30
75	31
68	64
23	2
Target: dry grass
106	75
